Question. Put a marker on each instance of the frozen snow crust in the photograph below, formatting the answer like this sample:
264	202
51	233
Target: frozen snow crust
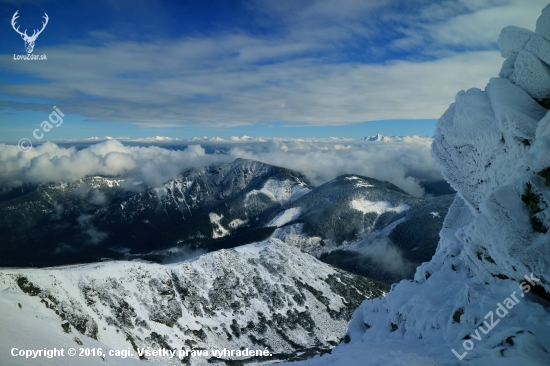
494	149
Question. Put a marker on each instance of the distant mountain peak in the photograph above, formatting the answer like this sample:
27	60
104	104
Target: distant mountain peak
377	137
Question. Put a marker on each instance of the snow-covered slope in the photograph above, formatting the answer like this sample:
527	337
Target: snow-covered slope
259	295
393	252
483	298
28	325
354	222
343	210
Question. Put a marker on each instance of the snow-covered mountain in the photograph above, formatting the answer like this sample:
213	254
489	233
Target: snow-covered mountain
384	138
260	296
80	221
393	252
269	294
483	298
343	210
352	222
211	208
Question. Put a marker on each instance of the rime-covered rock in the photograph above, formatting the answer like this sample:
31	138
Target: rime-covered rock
527	57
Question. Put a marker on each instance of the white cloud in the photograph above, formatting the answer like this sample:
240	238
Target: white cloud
97	198
58	209
93	234
180	254
389	257
405	164
299	73
51	163
468	23
300	91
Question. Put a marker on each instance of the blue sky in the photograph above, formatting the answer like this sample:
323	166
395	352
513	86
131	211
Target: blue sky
261	68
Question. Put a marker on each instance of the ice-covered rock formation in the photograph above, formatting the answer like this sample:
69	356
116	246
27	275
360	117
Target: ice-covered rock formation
483	298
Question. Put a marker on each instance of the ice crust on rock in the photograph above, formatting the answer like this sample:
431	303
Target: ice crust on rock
491	146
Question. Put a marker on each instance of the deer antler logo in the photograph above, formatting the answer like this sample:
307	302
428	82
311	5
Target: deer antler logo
29	41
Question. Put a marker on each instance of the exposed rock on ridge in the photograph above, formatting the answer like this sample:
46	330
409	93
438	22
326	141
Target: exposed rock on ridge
259	295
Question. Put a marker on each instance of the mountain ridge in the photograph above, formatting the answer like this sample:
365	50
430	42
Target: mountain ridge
259	295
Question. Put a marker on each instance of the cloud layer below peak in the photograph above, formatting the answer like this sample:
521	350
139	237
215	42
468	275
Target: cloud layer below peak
405	164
